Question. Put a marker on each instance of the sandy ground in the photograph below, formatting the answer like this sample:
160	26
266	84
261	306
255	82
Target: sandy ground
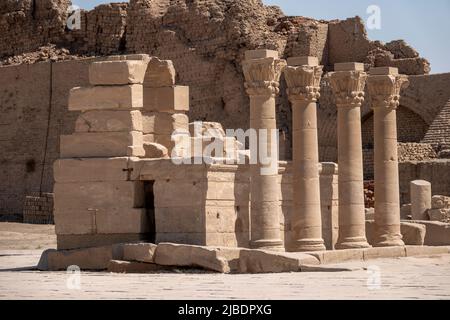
22	236
405	278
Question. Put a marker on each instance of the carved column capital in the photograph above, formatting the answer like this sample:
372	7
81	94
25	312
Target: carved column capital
348	87
303	82
384	90
262	76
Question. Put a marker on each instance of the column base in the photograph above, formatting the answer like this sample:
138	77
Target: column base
305	245
269	245
352	243
389	242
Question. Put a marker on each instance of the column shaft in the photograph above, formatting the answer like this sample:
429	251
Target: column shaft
384	85
348	89
262	70
306	219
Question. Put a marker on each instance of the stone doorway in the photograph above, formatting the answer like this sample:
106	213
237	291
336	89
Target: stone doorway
149	203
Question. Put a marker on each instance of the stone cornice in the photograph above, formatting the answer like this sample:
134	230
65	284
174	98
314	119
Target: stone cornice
262	76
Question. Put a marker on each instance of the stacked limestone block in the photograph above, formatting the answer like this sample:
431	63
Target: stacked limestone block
96	202
198	204
165	106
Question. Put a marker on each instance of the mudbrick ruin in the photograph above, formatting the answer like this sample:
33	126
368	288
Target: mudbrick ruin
361	169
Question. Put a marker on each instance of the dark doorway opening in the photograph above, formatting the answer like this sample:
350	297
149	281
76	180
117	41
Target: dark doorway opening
150	209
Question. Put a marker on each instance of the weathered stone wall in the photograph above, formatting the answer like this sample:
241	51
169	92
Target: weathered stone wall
27	94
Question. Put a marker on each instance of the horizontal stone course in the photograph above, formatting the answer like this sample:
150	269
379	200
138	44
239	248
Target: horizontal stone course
127	97
103	144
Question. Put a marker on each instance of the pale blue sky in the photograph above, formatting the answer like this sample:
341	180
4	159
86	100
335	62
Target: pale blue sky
423	24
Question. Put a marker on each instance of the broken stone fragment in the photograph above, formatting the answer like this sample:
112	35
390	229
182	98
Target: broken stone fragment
119	72
155	151
160	73
140	252
168	254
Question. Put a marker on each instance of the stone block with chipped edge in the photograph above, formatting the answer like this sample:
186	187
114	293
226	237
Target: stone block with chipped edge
94	259
169	254
173	99
160	73
119	72
260	261
126	97
140	252
109	121
102	144
155	150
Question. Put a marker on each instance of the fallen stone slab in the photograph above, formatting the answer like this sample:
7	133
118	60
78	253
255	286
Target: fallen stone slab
260	261
413	233
437	234
139	252
118	266
94	259
169	254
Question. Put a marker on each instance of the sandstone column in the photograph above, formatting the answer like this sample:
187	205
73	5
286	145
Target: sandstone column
384	86
420	191
262	70
347	83
303	78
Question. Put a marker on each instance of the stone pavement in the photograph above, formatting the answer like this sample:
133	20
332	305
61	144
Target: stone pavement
405	278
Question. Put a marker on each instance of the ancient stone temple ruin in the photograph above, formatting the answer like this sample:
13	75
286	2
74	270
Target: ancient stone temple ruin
140	127
132	171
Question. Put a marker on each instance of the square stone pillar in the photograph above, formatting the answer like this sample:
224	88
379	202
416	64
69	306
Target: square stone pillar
303	75
164	107
347	84
262	70
96	202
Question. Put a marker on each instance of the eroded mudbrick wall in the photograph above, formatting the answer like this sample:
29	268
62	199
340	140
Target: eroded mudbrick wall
206	40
